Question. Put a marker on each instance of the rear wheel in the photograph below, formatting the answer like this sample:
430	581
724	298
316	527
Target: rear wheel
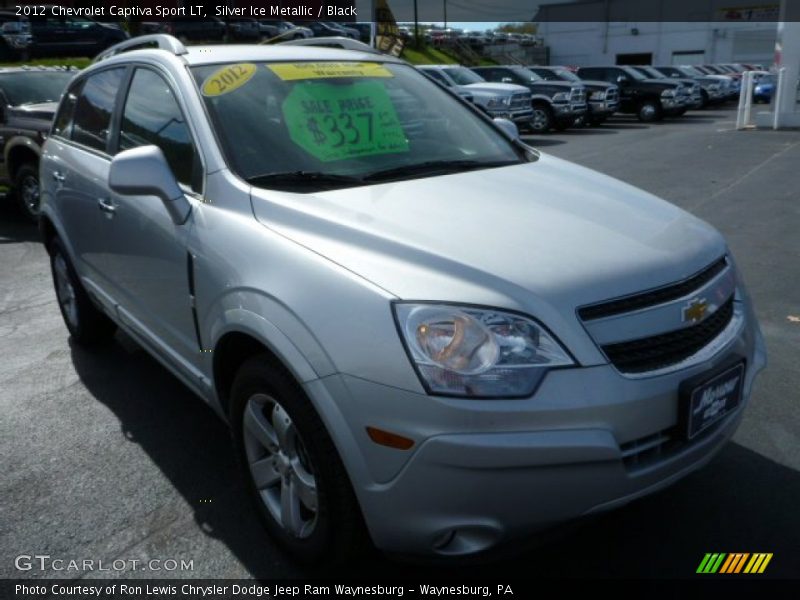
542	120
26	186
293	470
86	323
649	111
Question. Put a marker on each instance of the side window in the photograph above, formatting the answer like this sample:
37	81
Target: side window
93	109
62	125
152	116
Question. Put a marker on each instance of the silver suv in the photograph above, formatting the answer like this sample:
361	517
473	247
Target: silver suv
422	332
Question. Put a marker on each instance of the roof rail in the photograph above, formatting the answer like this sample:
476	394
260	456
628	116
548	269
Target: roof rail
333	42
161	41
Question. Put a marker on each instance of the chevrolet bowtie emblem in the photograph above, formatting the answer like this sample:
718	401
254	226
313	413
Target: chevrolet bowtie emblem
695	310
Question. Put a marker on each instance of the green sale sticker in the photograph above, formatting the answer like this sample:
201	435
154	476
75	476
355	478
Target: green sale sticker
336	122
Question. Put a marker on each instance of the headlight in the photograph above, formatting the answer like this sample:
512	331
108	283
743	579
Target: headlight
498	102
462	351
713	87
668	94
598	95
561	97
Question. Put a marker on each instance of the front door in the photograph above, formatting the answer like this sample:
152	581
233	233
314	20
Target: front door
148	252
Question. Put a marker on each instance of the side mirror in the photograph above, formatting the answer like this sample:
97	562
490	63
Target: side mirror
508	128
144	171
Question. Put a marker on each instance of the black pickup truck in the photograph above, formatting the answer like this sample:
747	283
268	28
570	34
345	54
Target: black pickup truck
28	101
648	99
603	97
556	104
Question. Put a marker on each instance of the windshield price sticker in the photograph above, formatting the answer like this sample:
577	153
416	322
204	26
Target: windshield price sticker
227	79
328	70
336	122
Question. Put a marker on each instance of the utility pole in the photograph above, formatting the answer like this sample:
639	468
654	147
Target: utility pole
445	13
416	24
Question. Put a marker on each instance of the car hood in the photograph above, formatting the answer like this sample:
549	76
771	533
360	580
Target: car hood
545	237
594	84
41	111
502	89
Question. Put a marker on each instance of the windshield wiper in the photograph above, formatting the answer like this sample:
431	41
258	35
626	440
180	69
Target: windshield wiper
313	178
434	167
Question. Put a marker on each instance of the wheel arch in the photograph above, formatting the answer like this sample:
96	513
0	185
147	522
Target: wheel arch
19	151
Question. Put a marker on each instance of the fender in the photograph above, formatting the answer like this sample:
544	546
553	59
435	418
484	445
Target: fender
18	141
267	320
543	97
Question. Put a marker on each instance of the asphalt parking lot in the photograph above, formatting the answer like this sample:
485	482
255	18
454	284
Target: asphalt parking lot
106	456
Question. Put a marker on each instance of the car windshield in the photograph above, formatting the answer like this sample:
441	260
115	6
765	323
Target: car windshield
652	73
766	79
692	72
31	87
463	76
633	73
566	75
326	125
526	74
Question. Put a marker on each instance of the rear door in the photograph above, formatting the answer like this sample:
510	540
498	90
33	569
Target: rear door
75	171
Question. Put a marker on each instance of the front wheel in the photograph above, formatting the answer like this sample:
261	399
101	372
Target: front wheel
293	470
542	120
86	323
26	186
649	111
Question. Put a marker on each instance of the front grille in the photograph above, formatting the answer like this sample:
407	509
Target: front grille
650	450
653	297
520	101
577	95
660	351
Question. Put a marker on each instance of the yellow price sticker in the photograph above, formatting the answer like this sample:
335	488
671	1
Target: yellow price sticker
328	70
227	79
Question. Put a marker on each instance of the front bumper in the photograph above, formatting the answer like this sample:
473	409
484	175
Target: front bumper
569	111
482	472
520	117
603	108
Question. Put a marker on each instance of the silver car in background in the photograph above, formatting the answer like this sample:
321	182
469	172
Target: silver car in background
498	100
422	332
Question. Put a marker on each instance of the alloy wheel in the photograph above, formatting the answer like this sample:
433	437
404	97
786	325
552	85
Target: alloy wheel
279	466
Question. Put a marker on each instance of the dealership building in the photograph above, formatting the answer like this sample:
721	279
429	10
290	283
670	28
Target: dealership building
627	32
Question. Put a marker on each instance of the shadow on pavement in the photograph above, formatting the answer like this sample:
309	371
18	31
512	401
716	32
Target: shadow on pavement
602	130
741	502
14	227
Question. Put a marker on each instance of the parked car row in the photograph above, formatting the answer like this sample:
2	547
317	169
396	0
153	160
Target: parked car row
561	97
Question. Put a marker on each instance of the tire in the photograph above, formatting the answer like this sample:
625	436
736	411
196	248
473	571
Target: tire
704	101
563	125
87	325
542	120
292	468
27	191
649	111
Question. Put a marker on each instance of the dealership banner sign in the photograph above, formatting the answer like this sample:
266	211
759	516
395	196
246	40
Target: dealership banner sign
423	10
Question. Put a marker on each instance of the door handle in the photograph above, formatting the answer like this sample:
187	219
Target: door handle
106	206
59	177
